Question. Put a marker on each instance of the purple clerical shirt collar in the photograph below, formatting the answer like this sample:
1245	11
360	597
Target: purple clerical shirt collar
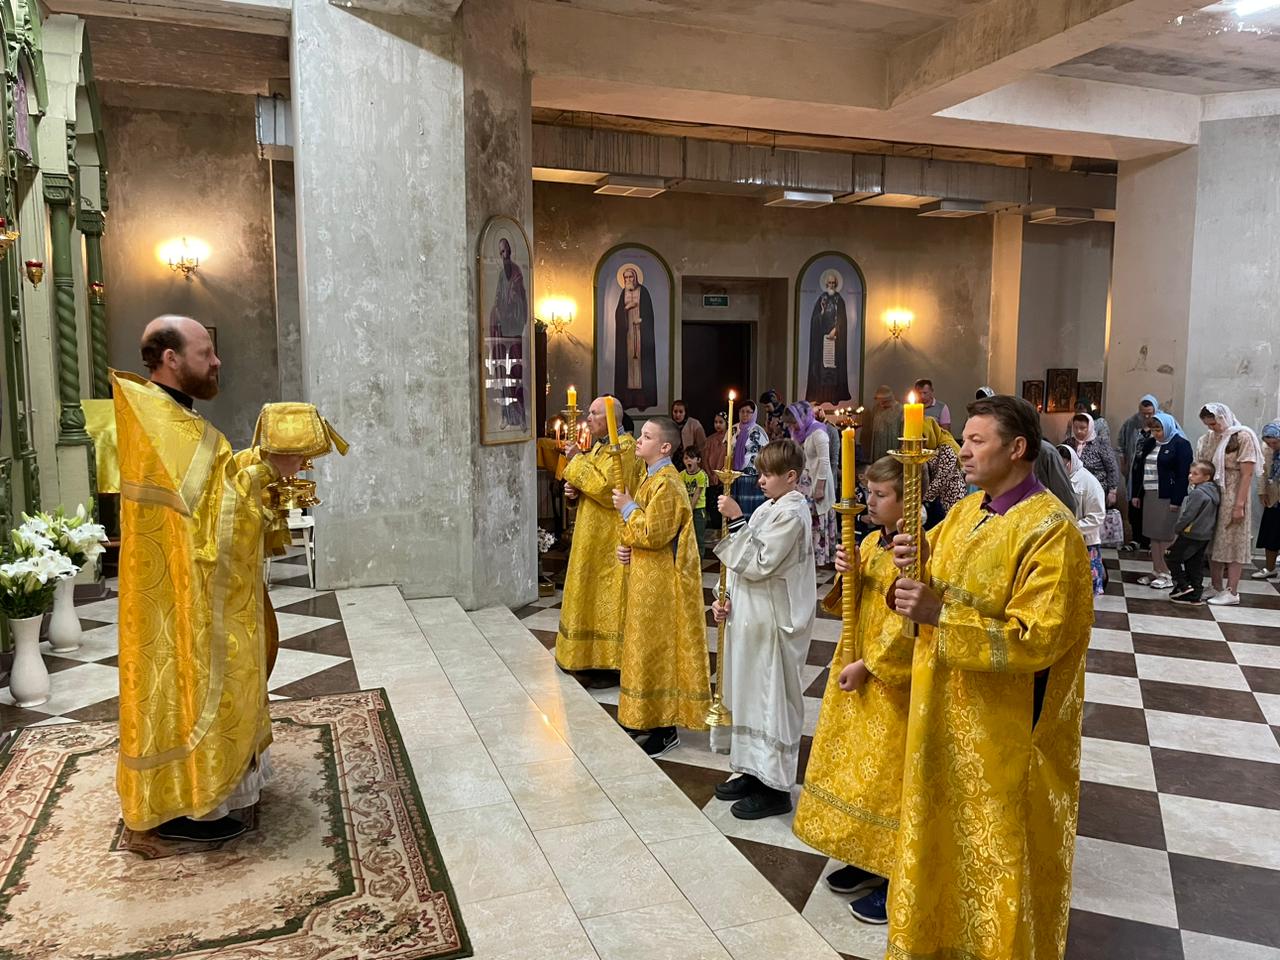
1011	498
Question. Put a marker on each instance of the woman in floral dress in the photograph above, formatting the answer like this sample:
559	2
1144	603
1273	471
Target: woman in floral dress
817	482
1236	454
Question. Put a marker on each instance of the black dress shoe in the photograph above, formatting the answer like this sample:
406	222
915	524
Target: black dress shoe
201	831
737	788
765	802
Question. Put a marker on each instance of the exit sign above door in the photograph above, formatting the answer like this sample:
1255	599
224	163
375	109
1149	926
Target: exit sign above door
715	300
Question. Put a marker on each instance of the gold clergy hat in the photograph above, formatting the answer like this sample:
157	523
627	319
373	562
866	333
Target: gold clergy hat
296	429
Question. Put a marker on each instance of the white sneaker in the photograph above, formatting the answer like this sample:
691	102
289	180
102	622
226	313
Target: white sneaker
1225	599
1161	583
1262	575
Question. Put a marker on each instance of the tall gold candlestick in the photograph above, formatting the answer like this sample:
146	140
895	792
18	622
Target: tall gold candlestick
718	715
570	414
913	455
848	511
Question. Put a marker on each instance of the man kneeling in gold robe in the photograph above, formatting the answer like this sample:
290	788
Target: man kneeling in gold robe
991	787
194	727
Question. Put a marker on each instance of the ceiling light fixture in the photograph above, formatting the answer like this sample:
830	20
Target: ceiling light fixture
643	187
799	198
953	209
1061	216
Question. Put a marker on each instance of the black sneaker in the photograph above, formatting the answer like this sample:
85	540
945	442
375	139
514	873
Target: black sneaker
737	788
1189	599
874	907
201	831
662	741
1180	592
601	679
852	880
765	802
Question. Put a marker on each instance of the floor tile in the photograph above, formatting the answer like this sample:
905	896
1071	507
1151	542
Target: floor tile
538	925
1244	614
1227	738
790	937
1116	763
1117	691
557	793
491	696
340	678
460	776
1096	936
771	830
519	738
656	808
792	872
1201	946
1153	604
1109	722
1103	639
1174	626
72	689
722	885
1222	831
96	644
656	931
603	868
1270	705
490	853
1252	633
1125	881
1120	814
1201	701
1113	662
1226	900
1262	679
1211	777
317	605
1191	648
330	640
1256	655
293	665
828	913
1224	676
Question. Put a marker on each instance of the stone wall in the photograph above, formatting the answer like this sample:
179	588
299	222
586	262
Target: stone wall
185	163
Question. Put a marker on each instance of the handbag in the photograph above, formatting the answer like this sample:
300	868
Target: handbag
1112	529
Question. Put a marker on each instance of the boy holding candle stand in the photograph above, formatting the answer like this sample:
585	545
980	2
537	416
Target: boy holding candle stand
665	679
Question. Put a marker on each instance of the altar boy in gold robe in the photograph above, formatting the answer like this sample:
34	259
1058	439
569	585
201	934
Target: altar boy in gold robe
990	791
590	634
849	805
665	677
194	727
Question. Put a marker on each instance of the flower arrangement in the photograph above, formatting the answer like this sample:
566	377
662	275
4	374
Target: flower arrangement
30	569
77	537
545	541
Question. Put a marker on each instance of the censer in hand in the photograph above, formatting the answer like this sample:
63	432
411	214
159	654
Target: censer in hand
295	430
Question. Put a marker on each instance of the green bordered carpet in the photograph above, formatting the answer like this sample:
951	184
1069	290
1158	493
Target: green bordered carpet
339	860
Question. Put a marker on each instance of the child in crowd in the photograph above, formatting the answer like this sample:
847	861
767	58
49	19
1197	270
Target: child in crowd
695	482
853	784
773	594
1195	525
665	679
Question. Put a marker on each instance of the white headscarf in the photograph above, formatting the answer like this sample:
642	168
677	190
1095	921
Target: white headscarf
1222	413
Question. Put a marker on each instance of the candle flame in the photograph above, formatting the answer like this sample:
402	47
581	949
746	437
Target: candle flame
733	395
911	397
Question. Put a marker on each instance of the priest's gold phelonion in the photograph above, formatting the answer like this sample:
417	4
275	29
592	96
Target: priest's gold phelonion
296	430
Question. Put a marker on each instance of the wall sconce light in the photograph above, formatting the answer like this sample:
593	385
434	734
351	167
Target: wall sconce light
898	322
556	313
7	237
35	271
183	256
98	292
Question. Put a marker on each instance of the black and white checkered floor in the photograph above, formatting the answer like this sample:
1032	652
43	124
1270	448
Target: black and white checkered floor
1178	849
1178	854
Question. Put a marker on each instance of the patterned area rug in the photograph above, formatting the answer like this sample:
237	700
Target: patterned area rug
339	860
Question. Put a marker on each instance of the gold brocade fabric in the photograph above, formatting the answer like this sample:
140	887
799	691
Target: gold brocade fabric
193	697
590	634
665	674
100	424
848	807
989	801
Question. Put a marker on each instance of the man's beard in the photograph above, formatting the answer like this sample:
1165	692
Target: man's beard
201	388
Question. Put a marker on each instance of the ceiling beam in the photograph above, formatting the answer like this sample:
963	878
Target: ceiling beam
1002	41
269	17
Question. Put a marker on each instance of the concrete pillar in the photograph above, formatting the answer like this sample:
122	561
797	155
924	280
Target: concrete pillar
408	134
1006	295
285	246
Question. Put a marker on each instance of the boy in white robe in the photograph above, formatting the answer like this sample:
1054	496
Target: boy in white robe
773	593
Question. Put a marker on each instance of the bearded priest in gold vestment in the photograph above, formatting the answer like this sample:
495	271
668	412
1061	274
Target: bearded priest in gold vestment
590	634
194	727
991	787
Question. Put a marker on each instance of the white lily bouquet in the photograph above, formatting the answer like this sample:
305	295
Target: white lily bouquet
77	536
545	541
30	569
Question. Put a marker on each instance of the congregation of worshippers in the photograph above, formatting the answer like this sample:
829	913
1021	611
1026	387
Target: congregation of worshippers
966	537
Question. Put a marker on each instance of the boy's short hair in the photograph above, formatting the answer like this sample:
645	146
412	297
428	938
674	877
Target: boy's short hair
920	385
886	470
780	456
668	432
691	452
1205	466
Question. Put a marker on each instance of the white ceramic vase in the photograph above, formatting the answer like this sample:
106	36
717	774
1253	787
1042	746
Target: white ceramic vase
64	625
28	679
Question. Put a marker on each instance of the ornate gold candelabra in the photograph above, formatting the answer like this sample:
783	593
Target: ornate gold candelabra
849	511
570	415
718	715
913	455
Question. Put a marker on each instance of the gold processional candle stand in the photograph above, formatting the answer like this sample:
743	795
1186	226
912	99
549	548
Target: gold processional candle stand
849	511
295	430
913	455
570	414
718	715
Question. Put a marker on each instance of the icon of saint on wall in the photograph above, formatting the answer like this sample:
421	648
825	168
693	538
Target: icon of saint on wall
635	365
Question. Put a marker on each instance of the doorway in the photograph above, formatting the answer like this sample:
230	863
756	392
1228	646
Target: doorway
716	357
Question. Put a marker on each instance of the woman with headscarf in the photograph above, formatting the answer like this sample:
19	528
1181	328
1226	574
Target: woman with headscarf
945	485
749	439
1161	476
772	411
1269	493
1091	509
816	482
1133	435
1101	427
1097	457
886	423
712	462
1236	455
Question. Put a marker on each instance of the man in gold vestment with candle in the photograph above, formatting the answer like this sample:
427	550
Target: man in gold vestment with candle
590	634
991	786
194	727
